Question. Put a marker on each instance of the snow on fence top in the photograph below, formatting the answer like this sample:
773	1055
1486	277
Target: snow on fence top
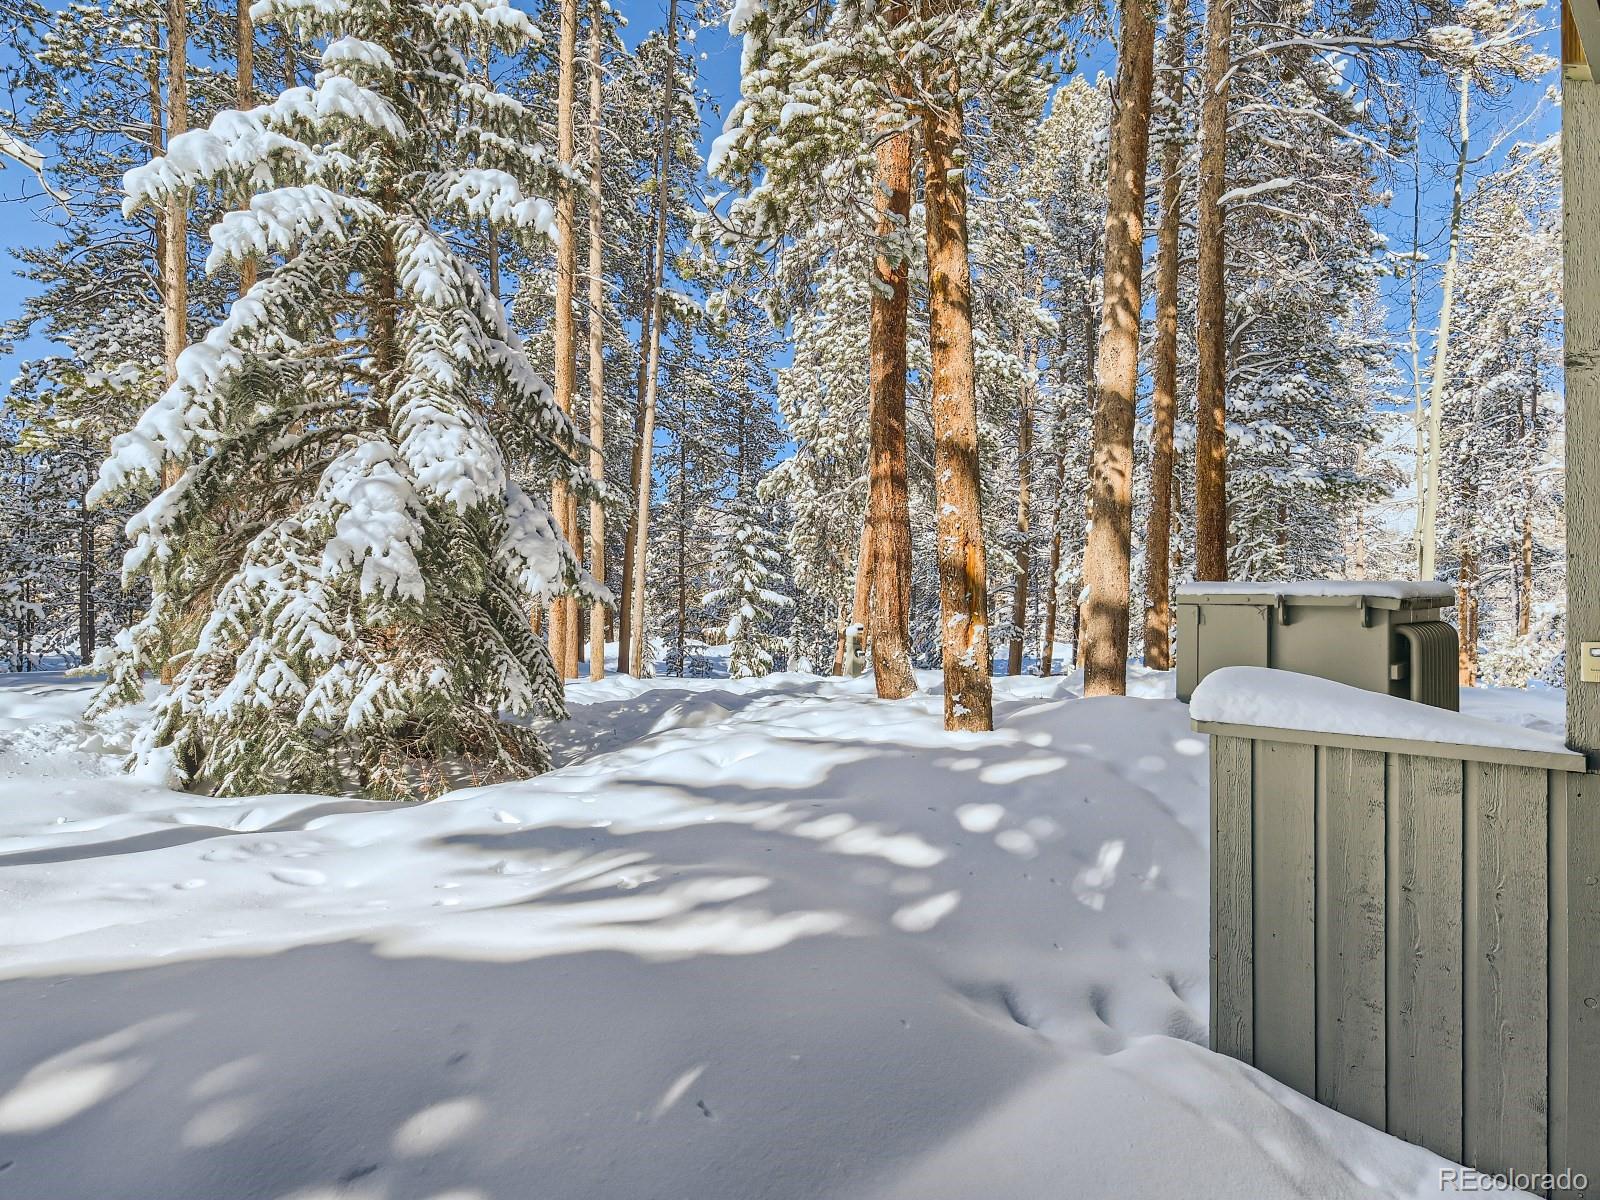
1276	699
1405	591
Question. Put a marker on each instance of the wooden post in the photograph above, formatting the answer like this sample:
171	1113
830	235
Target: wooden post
1580	156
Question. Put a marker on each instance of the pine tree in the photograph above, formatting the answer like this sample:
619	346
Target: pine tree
746	574
342	507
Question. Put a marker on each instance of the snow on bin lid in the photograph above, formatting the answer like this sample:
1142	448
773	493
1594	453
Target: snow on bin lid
1377	593
1263	696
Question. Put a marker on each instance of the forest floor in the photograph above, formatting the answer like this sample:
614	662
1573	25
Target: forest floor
768	938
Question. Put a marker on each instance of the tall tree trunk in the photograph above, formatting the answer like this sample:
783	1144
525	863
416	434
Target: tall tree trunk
1419	468
86	613
1441	345
563	608
683	549
630	534
175	267
888	504
172	239
1109	551
658	273
1019	588
1164	398
963	583
1047	640
1467	616
597	344
491	232
1525	574
1211	443
245	98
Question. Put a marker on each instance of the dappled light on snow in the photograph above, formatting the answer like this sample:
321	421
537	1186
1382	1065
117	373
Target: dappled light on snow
815	947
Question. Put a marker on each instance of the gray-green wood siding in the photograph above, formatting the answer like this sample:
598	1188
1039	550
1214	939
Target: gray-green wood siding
1414	941
1580	156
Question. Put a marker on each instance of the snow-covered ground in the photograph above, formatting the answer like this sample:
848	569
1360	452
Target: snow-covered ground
759	939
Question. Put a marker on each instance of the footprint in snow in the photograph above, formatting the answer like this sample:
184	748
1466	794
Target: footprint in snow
299	876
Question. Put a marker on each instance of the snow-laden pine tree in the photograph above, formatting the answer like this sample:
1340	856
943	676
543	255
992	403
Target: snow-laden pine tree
747	573
1503	422
340	513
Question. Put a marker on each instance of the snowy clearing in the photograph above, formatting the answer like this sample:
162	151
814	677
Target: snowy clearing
759	939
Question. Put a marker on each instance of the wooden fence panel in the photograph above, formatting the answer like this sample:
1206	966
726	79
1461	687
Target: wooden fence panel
1424	935
1351	1034
1232	900
1506	1032
1413	938
1575	1005
1285	913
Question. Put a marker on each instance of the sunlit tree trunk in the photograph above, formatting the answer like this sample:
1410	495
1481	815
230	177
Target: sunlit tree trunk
963	583
653	367
597	356
1108	553
1164	396
175	242
625	605
1211	448
563	609
888	504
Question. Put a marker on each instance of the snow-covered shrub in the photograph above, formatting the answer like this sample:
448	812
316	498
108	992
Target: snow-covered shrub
342	566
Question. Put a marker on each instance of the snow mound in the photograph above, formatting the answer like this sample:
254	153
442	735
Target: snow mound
765	938
1288	700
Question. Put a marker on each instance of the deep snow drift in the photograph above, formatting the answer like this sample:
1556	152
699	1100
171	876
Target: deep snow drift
760	939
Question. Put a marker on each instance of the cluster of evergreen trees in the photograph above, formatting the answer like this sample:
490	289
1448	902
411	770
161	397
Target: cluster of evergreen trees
424	359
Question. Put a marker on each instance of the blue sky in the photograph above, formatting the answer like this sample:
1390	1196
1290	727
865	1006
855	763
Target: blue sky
23	224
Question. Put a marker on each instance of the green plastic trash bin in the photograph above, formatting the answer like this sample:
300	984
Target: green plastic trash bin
1384	636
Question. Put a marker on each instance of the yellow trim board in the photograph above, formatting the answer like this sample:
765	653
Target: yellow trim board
1580	28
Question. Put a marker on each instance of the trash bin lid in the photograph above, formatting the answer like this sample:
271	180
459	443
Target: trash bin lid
1371	593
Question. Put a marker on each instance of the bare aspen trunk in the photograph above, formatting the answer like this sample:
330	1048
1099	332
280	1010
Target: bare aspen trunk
888	503
245	98
1164	398
1441	348
1419	468
597	345
563	608
642	533
1019	589
1108	553
963	583
1211	443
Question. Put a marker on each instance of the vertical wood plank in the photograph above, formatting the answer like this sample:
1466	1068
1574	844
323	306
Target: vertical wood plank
1350	885
1506	997
1424	943
1232	899
1285	913
1575	933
